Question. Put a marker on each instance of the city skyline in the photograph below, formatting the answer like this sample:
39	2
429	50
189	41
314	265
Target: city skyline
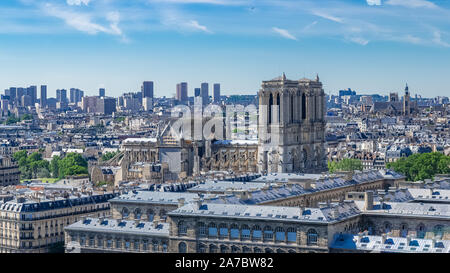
371	46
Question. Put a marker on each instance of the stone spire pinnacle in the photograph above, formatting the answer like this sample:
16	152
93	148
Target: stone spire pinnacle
283	77
317	77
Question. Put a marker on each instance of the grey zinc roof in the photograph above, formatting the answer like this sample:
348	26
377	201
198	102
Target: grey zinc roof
47	204
154	197
277	213
123	226
428	194
222	186
406	208
285	191
391	244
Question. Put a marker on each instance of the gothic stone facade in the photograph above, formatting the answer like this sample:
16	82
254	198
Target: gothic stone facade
291	126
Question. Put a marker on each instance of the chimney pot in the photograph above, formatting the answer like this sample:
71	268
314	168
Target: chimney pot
368	200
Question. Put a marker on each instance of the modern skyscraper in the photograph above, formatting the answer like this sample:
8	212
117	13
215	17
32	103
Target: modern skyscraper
197	92
182	92
216	93
43	95
106	105
61	95
72	95
12	94
205	93
32	92
19	94
147	89
101	92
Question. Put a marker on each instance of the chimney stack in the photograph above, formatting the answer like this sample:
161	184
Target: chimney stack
335	212
181	202
368	200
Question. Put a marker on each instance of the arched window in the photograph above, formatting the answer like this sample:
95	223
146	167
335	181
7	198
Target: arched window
125	213
303	106
268	233
164	246
312	237
234	231
137	213
155	246
235	249
100	242
246	249
280	235
257	250
387	227
280	251
201	248
223	249
268	250
292	234
144	245
270	108
438	232
403	230
245	233
212	230
182	247
150	215
279	107
292	108
257	233
223	230
212	248
421	231
201	229
182	228
108	242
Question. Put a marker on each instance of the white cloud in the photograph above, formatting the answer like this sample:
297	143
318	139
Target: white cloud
411	3
284	33
211	2
173	19
437	39
374	2
327	16
195	25
308	27
84	22
77	2
359	40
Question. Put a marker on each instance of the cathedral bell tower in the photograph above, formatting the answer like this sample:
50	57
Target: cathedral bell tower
406	102
291	126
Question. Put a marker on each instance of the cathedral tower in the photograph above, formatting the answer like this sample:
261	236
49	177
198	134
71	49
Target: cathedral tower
291	126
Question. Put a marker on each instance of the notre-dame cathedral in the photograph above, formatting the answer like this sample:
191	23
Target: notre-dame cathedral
291	133
291	138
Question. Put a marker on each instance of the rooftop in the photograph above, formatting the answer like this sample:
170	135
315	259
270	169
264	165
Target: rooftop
277	213
122	226
390	244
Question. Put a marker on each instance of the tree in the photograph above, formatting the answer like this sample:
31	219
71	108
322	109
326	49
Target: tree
422	166
108	155
54	166
346	164
72	164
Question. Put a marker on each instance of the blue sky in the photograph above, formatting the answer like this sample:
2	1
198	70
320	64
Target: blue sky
372	46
